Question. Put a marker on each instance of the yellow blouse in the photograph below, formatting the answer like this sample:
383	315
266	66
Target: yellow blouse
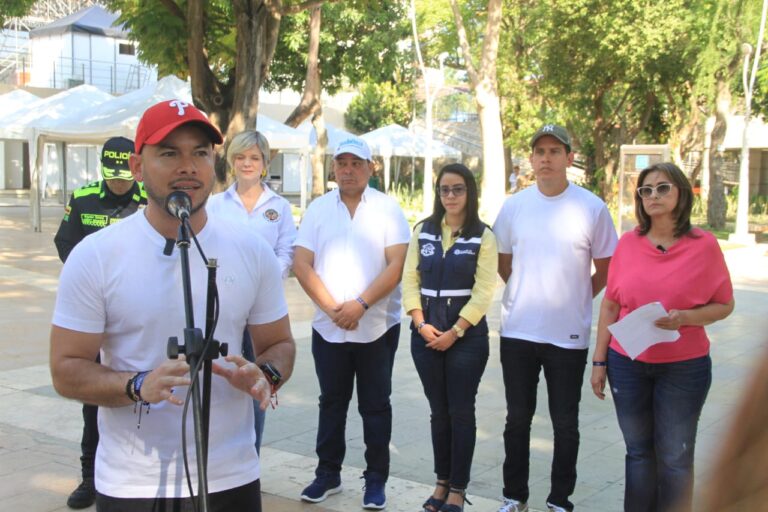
485	274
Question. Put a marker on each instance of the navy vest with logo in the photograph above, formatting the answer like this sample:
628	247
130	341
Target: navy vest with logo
447	278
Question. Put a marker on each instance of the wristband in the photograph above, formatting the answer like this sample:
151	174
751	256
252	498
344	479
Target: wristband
421	324
599	363
133	386
362	303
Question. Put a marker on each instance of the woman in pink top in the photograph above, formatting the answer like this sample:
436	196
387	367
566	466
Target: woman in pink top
660	394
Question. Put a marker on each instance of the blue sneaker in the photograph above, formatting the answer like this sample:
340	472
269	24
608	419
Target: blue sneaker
374	497
321	487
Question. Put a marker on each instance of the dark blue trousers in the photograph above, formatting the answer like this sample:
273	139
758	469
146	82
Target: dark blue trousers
521	363
450	379
338	367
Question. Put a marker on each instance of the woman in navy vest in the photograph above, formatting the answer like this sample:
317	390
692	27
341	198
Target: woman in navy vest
448	284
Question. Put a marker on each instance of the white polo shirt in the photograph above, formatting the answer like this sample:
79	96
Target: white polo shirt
349	256
271	218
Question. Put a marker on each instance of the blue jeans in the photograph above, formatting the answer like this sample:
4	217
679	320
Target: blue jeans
521	363
658	407
450	381
338	366
259	416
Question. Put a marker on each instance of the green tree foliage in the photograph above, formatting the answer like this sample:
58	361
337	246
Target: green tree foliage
609	65
162	36
378	105
14	9
358	43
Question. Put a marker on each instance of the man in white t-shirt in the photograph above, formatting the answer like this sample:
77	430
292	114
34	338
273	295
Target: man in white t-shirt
120	294
549	235
349	258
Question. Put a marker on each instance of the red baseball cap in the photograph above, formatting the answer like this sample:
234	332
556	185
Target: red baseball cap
161	119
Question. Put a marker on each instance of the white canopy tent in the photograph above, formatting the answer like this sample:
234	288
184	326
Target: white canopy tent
12	151
70	103
15	100
335	135
397	141
119	117
75	101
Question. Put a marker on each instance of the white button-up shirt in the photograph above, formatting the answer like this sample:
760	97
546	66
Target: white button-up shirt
349	256
271	218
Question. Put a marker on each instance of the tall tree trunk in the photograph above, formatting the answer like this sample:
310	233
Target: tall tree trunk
493	183
318	154
310	104
716	204
483	82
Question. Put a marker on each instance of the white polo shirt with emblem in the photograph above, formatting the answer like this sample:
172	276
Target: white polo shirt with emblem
271	218
349	256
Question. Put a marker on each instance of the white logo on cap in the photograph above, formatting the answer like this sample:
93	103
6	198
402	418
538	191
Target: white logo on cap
548	128
180	105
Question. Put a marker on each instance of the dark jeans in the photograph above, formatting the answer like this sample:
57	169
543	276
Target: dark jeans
259	416
658	407
450	381
338	365
245	498
90	439
521	362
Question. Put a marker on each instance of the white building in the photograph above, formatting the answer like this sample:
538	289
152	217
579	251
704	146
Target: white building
86	48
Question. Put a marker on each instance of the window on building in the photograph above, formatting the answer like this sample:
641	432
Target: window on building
127	49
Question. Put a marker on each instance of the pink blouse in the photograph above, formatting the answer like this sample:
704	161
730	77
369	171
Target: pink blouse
691	273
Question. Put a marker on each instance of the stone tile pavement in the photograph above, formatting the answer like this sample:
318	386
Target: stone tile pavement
40	431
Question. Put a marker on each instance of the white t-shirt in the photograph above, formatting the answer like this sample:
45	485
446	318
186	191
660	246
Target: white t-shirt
349	255
271	218
552	240
118	282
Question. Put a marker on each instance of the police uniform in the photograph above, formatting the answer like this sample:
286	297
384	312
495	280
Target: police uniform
91	208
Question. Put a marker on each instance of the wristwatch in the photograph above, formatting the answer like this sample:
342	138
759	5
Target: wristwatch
272	374
458	330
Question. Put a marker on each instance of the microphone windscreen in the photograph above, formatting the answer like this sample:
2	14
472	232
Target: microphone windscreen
178	202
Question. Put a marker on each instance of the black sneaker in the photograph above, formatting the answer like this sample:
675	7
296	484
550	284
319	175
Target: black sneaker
84	496
321	487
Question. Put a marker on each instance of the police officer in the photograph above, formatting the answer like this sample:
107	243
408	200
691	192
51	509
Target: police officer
91	208
104	202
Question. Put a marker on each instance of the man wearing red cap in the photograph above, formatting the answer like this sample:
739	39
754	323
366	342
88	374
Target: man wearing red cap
102	307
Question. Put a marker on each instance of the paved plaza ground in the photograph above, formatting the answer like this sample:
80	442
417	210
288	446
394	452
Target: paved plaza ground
40	431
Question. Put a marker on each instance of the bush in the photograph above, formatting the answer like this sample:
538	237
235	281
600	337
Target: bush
379	105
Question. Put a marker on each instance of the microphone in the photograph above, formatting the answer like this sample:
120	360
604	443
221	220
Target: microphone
661	248
178	204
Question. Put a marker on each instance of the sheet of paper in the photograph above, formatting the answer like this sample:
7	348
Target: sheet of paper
636	331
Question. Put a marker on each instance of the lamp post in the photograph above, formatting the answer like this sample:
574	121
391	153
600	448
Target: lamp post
741	233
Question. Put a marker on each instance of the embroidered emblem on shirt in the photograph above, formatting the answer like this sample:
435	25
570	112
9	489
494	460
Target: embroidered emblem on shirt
271	215
427	250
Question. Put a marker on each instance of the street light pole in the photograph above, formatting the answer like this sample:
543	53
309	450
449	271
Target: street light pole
741	234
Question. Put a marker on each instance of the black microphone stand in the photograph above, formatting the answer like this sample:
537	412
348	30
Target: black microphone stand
196	348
